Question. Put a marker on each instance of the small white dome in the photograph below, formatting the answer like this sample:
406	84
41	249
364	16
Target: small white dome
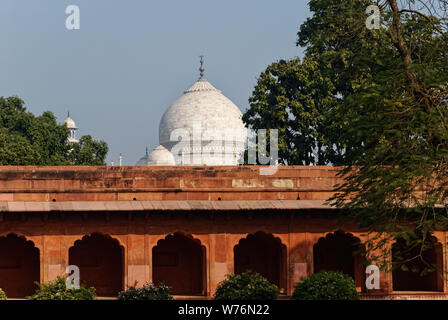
160	156
70	123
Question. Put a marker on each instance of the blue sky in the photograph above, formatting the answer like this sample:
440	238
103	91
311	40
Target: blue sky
131	59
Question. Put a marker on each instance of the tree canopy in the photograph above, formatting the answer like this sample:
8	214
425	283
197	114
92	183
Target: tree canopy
376	101
295	98
396	134
29	140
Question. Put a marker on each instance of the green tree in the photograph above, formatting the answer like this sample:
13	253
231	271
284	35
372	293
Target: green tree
374	100
29	140
304	100
246	286
149	291
88	152
326	285
57	290
3	295
392	114
295	98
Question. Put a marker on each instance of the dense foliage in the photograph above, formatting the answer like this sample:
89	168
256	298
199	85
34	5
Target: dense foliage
246	286
326	285
3	295
294	98
147	292
376	101
393	117
57	290
29	140
88	152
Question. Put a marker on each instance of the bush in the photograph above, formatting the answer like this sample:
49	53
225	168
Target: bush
246	286
147	292
3	295
57	290
327	285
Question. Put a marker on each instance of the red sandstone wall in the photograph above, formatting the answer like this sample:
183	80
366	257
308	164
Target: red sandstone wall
53	234
31	183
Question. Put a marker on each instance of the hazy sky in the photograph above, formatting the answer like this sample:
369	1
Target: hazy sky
131	59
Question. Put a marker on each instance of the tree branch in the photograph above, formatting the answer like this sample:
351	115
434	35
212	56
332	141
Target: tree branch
443	34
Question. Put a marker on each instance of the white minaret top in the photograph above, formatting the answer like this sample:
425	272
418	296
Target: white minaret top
72	127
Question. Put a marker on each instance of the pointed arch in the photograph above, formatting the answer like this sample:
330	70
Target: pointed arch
179	261
100	259
413	281
263	253
19	266
343	252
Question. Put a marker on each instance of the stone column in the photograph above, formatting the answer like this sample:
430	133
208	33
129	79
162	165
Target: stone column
54	258
38	243
221	261
207	272
138	268
300	259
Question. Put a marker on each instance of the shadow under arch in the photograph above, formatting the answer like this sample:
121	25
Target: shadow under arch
262	253
179	261
100	259
413	281
343	252
19	266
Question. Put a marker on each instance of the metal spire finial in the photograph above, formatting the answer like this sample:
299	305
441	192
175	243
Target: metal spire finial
202	69
68	114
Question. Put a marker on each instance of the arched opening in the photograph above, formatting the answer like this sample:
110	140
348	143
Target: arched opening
19	266
407	280
178	261
264	254
100	262
341	252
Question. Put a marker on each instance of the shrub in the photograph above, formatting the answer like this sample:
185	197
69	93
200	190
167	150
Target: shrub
246	286
147	292
3	295
327	285
57	290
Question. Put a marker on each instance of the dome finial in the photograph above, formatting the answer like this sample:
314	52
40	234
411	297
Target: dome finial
202	69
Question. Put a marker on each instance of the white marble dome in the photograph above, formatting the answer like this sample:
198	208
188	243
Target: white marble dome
160	156
70	123
203	127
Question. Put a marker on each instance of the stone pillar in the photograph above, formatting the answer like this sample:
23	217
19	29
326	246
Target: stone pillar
443	239
54	260
137	261
207	272
38	243
300	251
221	262
285	276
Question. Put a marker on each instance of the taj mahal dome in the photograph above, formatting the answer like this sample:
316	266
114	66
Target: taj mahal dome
202	127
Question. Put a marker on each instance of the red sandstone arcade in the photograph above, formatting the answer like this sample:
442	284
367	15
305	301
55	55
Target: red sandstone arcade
185	226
